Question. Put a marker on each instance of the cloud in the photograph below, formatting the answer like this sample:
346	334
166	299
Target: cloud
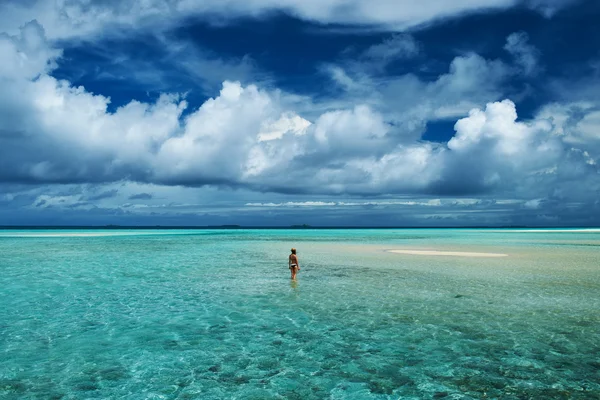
286	123
497	153
409	102
261	139
103	195
549	7
577	124
385	203
395	47
62	202
176	205
26	55
525	55
294	204
80	18
140	196
491	150
161	62
206	68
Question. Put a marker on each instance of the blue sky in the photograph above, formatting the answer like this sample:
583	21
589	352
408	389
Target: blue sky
281	112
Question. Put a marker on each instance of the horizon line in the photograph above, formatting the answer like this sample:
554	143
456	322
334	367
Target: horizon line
303	226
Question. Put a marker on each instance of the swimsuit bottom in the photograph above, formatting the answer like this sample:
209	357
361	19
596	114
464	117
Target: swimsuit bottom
293	266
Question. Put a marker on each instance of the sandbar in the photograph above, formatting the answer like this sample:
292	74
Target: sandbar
447	253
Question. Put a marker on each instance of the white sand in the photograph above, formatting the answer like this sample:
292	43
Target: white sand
447	253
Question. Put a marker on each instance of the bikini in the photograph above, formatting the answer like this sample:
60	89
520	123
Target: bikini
292	265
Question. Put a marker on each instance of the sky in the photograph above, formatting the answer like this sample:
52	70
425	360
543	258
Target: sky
288	112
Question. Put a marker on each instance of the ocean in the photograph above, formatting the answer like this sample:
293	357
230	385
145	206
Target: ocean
213	314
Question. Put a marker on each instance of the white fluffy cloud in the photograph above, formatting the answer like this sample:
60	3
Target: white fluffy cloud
251	137
26	55
409	102
74	18
496	150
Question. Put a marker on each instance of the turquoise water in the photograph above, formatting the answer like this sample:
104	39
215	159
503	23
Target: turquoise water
213	315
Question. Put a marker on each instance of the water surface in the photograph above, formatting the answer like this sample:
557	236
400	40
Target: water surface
212	314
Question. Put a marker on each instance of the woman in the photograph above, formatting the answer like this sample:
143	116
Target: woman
293	264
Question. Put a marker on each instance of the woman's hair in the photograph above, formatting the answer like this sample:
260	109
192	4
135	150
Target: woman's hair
293	251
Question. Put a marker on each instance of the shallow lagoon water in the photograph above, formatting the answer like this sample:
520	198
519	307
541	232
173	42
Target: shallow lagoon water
213	315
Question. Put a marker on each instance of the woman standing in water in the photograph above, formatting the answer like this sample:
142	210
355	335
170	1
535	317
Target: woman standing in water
293	264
